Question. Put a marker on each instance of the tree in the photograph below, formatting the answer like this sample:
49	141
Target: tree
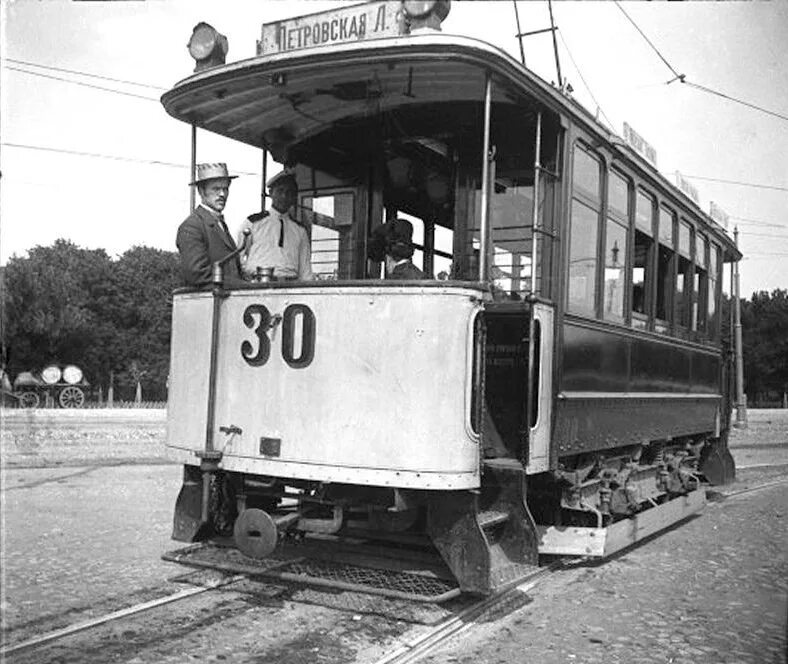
70	305
765	343
49	300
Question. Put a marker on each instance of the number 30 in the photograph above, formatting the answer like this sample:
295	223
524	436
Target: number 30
259	356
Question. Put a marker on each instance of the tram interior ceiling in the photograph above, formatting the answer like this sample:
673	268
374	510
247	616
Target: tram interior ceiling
422	159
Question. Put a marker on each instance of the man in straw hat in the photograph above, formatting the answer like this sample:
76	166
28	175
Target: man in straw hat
278	245
203	238
393	242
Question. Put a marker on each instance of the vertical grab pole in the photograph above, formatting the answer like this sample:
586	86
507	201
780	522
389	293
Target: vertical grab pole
530	405
535	206
741	404
265	179
193	170
484	222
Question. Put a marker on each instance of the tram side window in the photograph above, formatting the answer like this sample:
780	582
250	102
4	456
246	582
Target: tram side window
330	218
616	247
510	231
701	286
684	276
713	323
642	257
443	243
665	266
584	233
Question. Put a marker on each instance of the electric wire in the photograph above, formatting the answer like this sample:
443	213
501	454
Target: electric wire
582	78
736	182
734	99
87	85
757	222
678	76
682	78
79	153
84	73
752	234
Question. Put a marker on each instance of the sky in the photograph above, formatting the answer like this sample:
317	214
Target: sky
109	168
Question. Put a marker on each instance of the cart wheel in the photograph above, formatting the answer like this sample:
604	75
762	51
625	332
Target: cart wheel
71	397
28	400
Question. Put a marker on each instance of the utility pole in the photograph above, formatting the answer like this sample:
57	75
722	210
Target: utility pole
741	401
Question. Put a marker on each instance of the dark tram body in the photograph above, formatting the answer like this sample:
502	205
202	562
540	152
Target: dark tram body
558	374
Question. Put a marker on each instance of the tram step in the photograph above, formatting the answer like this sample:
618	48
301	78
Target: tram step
492	518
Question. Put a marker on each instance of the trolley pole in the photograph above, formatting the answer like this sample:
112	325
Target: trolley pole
193	171
741	402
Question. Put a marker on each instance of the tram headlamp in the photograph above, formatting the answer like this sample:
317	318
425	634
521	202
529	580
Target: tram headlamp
426	13
207	46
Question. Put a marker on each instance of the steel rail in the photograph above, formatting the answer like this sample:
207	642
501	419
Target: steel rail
115	615
463	621
758	487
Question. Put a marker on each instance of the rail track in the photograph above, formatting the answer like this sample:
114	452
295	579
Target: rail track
84	625
410	649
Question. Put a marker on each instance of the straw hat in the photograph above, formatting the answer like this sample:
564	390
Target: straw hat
212	172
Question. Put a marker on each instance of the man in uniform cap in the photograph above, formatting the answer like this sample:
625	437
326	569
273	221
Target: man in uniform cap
278	244
393	242
203	238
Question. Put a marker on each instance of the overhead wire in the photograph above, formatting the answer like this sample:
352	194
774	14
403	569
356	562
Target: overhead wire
84	73
80	153
736	182
648	41
582	78
682	78
83	83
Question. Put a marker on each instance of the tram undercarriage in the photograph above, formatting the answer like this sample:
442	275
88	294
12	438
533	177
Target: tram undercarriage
593	505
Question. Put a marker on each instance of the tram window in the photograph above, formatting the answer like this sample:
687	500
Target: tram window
713	295
618	196
330	218
684	276
615	263
511	234
444	241
418	239
642	258
701	285
582	258
616	247
665	267
586	173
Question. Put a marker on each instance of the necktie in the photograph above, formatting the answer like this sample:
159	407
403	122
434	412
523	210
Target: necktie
281	231
226	230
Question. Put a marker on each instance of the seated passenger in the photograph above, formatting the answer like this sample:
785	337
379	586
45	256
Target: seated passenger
393	241
276	242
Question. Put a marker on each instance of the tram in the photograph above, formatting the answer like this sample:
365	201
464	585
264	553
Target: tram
557	384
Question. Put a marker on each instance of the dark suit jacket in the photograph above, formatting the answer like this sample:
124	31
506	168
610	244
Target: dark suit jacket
201	241
406	271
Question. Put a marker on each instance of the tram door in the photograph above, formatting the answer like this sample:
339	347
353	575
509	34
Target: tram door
522	200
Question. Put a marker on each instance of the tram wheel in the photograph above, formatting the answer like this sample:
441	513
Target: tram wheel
71	397
29	400
255	533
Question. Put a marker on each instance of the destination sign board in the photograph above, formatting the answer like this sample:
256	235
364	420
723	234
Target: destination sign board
640	145
719	215
687	188
370	20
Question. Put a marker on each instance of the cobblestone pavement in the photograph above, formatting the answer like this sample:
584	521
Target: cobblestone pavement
713	590
78	540
73	537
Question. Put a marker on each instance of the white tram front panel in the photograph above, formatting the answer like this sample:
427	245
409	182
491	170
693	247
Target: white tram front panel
365	385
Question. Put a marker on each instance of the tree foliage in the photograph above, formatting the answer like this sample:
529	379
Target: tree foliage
764	320
69	305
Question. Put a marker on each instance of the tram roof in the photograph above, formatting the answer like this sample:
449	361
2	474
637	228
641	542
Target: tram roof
245	101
